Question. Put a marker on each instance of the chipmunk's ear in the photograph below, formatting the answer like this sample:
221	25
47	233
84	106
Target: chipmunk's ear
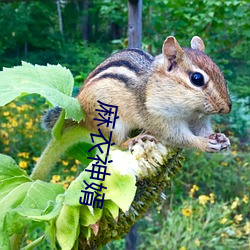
171	49
197	43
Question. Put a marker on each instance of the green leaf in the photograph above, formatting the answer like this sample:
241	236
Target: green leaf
50	234
14	198
73	193
79	151
53	82
28	201
20	197
14	223
49	214
9	168
67	226
9	184
87	218
112	208
39	194
4	240
120	188
86	232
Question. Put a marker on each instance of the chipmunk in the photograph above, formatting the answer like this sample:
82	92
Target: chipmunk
169	97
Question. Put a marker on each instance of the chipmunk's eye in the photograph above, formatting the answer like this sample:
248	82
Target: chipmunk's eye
197	79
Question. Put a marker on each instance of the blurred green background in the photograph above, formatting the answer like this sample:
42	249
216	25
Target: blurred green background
207	206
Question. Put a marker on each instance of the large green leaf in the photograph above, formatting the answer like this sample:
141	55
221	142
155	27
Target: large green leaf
120	188
67	226
53	82
9	168
87	218
22	200
7	185
29	200
40	193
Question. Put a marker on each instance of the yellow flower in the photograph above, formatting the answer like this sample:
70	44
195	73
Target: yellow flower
73	168
77	162
197	242
238	218
6	113
238	233
223	220
29	124
6	141
70	178
4	134
65	163
23	164
35	159
187	211
193	190
224	164
24	154
211	195
23	107
6	149
245	199
14	123
55	178
12	105
247	227
203	199
234	152
65	185
183	248
235	203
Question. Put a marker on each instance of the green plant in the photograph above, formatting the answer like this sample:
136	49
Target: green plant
30	201
199	223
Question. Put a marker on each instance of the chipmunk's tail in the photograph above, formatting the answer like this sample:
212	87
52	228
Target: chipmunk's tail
50	117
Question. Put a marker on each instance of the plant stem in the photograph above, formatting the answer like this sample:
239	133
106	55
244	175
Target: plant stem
56	147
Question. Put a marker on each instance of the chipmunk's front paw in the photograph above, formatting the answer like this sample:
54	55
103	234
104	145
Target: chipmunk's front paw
141	139
218	142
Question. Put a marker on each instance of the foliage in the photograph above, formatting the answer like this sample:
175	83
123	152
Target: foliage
29	199
199	223
28	79
206	207
223	25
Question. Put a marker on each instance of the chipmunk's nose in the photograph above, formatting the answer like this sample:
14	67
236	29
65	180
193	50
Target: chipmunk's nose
227	108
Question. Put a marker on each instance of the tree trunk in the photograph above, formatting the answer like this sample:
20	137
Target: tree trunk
59	16
135	23
85	23
131	238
